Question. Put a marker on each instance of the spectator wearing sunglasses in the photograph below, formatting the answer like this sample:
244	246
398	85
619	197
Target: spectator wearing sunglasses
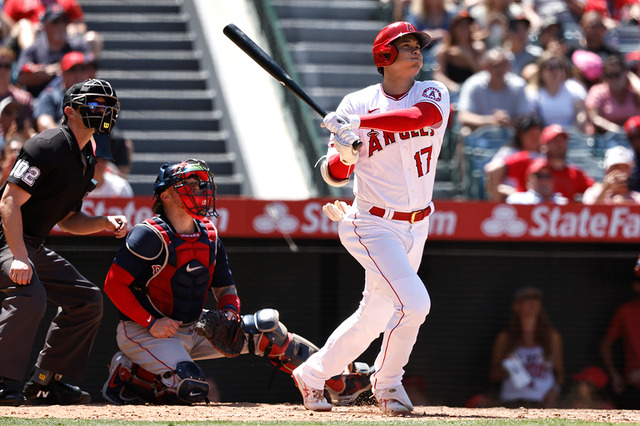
614	188
76	67
554	96
539	186
612	102
40	63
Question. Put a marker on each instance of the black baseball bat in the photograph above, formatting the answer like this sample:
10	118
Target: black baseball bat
267	63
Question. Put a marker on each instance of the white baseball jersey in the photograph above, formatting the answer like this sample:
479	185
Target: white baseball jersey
397	170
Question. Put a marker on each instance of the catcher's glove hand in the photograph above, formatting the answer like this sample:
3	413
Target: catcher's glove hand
224	330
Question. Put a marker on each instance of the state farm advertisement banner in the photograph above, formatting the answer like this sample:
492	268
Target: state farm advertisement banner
467	221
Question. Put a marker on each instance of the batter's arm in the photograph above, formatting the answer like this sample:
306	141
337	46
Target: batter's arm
420	115
12	199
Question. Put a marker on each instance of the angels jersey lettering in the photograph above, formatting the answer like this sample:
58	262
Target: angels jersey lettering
408	158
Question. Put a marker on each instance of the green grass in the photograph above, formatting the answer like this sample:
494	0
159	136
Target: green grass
13	421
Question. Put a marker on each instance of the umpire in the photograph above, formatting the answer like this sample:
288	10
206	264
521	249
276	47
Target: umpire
52	174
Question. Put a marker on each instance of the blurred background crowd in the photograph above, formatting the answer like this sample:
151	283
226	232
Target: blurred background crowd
514	68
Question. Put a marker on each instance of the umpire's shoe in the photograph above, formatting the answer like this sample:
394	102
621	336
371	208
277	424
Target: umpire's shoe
55	393
8	397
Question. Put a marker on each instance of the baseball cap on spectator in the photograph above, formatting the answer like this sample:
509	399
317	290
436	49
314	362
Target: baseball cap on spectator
528	293
536	166
632	126
592	374
552	21
589	64
632	58
9	102
53	12
550	132
618	155
74	58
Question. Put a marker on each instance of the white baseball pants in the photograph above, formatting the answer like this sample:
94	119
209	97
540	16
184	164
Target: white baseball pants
395	301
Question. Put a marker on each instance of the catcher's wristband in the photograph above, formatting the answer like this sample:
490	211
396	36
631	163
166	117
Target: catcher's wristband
229	301
153	321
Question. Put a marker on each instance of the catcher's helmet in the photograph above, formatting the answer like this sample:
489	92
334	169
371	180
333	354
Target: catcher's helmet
198	197
100	116
385	53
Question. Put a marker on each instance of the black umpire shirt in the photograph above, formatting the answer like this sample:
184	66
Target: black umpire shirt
52	168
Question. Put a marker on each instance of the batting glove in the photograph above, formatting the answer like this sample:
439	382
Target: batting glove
336	210
344	144
335	122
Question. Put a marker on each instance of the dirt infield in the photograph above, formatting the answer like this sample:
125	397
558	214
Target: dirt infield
248	412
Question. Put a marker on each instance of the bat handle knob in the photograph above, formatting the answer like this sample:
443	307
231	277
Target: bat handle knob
356	145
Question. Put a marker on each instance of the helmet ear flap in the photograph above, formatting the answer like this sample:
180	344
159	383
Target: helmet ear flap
386	55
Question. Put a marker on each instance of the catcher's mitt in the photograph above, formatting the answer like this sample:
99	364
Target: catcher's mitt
224	330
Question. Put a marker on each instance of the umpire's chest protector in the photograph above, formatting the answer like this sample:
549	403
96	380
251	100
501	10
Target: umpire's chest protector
179	288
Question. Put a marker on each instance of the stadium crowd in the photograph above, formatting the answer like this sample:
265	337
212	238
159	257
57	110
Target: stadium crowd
570	63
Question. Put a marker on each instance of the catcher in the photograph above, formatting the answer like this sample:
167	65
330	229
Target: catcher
159	281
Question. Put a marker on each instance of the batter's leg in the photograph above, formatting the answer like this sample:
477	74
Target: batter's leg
401	332
350	339
390	252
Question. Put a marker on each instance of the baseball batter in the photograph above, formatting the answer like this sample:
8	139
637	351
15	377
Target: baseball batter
401	125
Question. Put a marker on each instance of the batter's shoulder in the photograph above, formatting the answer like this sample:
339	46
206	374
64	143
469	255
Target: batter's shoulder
357	102
425	84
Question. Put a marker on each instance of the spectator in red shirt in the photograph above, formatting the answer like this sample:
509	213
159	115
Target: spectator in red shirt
569	180
624	327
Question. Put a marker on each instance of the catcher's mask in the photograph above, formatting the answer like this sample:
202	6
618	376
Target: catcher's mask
100	115
384	52
193	182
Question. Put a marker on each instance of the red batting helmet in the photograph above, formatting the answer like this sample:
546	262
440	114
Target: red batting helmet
384	53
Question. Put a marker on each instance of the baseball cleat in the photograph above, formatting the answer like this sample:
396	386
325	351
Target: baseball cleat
393	400
55	393
114	390
312	399
345	389
8	397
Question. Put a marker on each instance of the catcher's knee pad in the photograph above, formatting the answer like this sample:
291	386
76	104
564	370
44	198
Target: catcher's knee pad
192	386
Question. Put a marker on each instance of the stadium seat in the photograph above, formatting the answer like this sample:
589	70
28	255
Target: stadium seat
479	148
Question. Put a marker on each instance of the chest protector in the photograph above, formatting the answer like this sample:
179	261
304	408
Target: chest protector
179	285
